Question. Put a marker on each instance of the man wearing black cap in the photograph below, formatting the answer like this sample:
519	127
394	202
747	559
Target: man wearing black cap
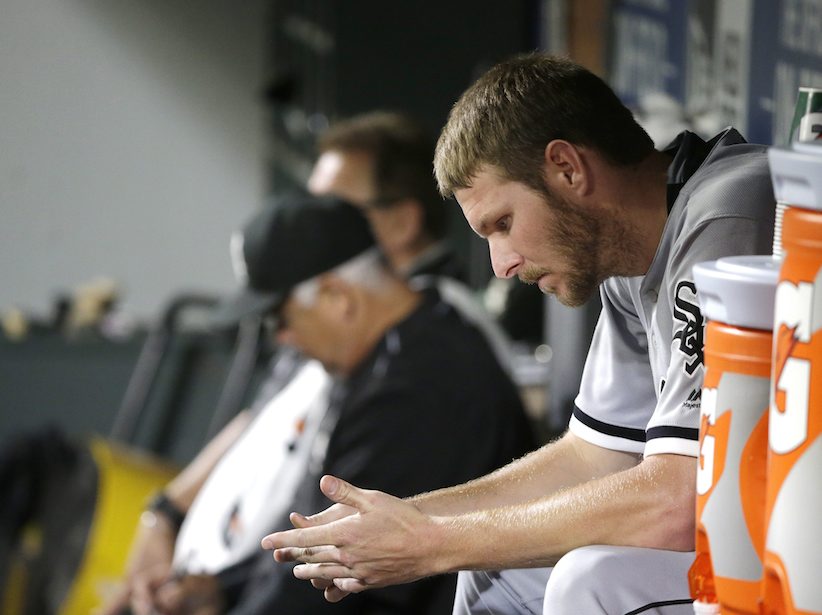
418	400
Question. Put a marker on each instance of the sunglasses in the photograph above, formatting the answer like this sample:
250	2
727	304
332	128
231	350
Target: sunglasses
382	202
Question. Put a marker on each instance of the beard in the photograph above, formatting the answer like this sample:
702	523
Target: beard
585	242
576	238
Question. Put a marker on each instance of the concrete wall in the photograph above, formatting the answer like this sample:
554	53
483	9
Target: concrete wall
131	144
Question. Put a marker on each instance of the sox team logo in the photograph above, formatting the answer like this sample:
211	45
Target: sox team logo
691	333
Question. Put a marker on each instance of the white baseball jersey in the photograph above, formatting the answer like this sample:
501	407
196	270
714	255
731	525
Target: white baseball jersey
254	483
641	386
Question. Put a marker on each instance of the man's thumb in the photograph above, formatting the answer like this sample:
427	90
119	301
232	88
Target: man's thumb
341	492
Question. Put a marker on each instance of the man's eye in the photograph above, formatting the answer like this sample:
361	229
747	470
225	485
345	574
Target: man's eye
503	224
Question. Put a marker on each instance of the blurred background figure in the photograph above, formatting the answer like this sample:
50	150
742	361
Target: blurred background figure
381	162
410	373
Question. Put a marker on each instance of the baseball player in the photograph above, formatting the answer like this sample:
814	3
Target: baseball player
552	170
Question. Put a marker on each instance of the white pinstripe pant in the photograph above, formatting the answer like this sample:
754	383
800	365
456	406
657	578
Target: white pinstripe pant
596	580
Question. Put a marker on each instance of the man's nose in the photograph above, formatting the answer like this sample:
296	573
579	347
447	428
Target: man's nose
504	261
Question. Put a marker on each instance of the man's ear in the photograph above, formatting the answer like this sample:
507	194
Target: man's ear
337	297
566	169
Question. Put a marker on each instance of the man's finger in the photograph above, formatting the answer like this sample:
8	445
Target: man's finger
334	594
142	596
141	603
307	537
349	585
169	597
300	521
337	490
332	513
311	555
321	584
328	572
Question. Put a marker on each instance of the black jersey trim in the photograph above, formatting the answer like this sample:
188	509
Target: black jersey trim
654	605
685	433
637	435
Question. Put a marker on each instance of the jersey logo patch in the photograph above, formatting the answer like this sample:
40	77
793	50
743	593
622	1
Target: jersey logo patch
694	399
691	333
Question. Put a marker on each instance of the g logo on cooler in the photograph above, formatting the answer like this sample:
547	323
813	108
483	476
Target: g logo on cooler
707	450
794	324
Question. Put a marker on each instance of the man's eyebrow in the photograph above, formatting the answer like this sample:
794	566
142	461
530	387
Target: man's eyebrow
482	226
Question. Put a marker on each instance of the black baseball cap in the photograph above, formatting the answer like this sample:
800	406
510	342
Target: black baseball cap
293	239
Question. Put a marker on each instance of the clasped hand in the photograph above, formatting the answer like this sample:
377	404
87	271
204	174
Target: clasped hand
367	539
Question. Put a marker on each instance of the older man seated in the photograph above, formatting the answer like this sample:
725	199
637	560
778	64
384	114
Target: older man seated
418	401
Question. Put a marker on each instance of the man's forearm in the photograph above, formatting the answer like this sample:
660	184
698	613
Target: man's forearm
389	541
555	466
184	487
650	505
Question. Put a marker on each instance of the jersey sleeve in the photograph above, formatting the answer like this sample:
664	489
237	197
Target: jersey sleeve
616	397
674	426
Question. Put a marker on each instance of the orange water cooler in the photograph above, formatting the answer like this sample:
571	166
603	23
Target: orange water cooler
737	298
793	513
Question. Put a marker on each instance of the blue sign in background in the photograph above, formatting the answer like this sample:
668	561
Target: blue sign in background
648	48
650	51
787	54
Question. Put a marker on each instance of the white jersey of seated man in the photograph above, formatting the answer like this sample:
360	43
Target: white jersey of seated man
253	485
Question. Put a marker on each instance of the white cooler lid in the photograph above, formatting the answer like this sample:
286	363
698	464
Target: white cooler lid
738	290
796	174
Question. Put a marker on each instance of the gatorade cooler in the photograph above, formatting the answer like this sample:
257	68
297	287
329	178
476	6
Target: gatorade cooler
806	127
737	298
807	116
793	511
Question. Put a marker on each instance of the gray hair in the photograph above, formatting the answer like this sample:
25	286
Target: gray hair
366	270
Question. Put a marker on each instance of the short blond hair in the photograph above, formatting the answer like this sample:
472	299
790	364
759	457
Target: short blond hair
507	118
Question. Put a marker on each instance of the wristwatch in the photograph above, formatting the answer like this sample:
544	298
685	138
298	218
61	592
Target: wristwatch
161	505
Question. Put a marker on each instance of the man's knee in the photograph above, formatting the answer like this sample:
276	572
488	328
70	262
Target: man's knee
609	579
501	592
580	576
